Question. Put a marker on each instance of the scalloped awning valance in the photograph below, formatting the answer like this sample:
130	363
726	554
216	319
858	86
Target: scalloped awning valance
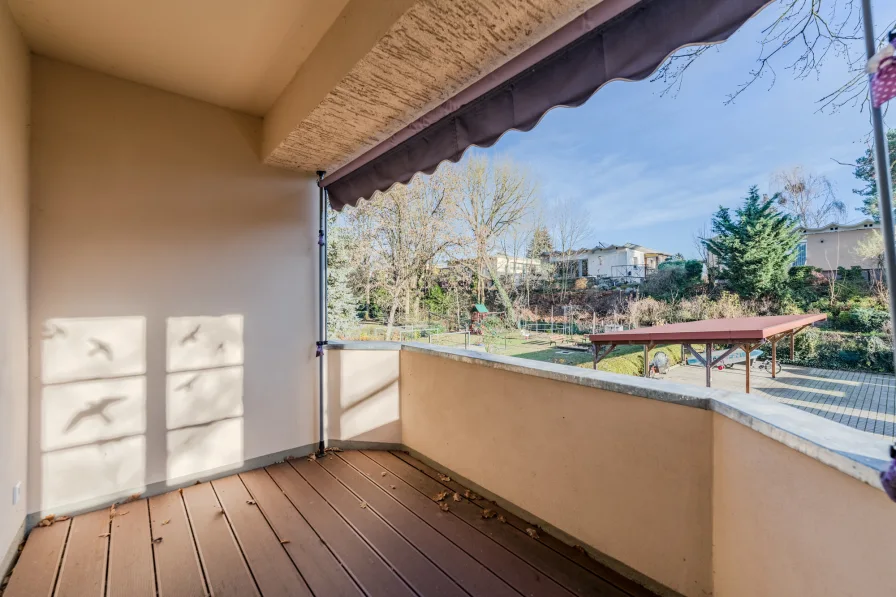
617	39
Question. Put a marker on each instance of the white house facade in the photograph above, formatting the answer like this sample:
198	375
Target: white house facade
627	262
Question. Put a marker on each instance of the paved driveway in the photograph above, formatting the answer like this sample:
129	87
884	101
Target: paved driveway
866	401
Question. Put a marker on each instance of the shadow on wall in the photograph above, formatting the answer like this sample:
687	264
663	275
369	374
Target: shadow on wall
363	397
93	410
204	395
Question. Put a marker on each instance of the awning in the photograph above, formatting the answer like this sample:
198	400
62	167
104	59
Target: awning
613	40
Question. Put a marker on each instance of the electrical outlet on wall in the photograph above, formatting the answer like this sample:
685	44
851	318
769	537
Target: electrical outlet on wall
16	493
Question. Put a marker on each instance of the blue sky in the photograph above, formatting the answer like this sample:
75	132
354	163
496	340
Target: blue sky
652	169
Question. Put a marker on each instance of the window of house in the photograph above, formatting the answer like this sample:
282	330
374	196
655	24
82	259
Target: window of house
800	255
584	267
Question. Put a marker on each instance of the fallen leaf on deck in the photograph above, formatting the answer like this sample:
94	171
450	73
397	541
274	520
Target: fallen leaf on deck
501	518
488	513
132	498
332	449
284	541
443	506
457	497
103	535
250	502
579	548
312	457
157	540
61	519
47	520
444	478
393	487
532	533
440	496
165	522
363	504
470	495
383	474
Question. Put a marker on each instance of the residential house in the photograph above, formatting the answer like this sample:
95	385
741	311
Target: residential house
162	328
628	262
518	268
835	245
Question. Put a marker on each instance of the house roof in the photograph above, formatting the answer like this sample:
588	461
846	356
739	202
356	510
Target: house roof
867	224
601	248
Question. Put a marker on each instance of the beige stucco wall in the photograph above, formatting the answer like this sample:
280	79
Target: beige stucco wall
629	476
830	250
173	291
14	115
363	401
786	525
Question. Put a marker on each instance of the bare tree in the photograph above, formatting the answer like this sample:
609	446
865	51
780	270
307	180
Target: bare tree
871	248
571	228
495	197
803	35
411	226
698	238
807	196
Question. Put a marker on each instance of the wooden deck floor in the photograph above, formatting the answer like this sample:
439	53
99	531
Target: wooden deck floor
352	523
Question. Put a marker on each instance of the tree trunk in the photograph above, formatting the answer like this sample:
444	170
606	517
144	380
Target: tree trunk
510	313
391	321
367	301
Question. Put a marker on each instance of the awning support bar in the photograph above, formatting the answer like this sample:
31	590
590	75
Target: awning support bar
882	169
322	307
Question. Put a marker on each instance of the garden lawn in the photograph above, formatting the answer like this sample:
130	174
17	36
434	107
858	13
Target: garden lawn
628	360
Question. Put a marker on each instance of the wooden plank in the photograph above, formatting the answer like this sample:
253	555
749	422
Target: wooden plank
363	563
131	572
37	569
318	566
83	571
421	574
274	572
475	578
225	568
542	558
507	565
178	572
579	557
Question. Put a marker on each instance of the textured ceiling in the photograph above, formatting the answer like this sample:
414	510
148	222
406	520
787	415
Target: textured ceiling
433	51
234	53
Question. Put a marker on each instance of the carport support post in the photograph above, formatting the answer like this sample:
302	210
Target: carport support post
747	348
774	356
882	169
646	364
708	364
792	335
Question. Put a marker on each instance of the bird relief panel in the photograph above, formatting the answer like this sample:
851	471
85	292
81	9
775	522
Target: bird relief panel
204	342
92	348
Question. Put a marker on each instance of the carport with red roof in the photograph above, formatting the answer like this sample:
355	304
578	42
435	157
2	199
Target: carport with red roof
736	333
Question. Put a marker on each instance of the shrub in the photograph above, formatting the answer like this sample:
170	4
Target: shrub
839	350
862	320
